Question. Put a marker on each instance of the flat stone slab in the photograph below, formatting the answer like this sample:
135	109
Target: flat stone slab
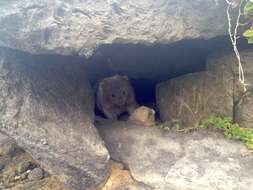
71	27
199	160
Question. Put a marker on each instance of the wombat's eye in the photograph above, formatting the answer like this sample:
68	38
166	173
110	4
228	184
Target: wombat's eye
113	95
123	92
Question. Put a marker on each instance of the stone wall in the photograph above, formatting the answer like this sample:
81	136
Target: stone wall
48	109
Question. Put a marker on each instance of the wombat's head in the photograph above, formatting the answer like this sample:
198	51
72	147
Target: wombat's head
117	90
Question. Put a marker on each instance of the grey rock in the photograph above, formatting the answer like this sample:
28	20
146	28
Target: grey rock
2	166
23	167
243	101
24	176
48	109
7	145
244	110
178	99
201	160
223	68
12	177
31	185
70	27
194	97
2	186
36	174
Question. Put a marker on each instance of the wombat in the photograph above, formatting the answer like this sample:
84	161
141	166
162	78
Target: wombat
143	116
114	96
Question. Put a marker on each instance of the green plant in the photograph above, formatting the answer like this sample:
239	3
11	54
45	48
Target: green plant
244	11
175	125
66	177
247	12
162	126
231	130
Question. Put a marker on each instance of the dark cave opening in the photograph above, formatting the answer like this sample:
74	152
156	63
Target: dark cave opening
148	65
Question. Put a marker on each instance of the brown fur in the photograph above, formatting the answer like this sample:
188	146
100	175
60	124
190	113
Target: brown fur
115	96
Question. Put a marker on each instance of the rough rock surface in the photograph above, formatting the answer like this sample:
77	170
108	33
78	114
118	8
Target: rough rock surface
69	27
193	97
201	160
12	179
224	64
35	178
48	109
7	145
216	91
244	110
182	99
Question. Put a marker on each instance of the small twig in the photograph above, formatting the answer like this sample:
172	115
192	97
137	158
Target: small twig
234	37
188	129
246	23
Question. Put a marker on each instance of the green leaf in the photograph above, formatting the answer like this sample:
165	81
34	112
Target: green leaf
249	145
250	40
231	130
248	33
248	8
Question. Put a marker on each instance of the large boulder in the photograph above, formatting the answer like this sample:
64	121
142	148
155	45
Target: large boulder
193	97
244	110
79	26
225	65
243	101
201	160
48	109
182	98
